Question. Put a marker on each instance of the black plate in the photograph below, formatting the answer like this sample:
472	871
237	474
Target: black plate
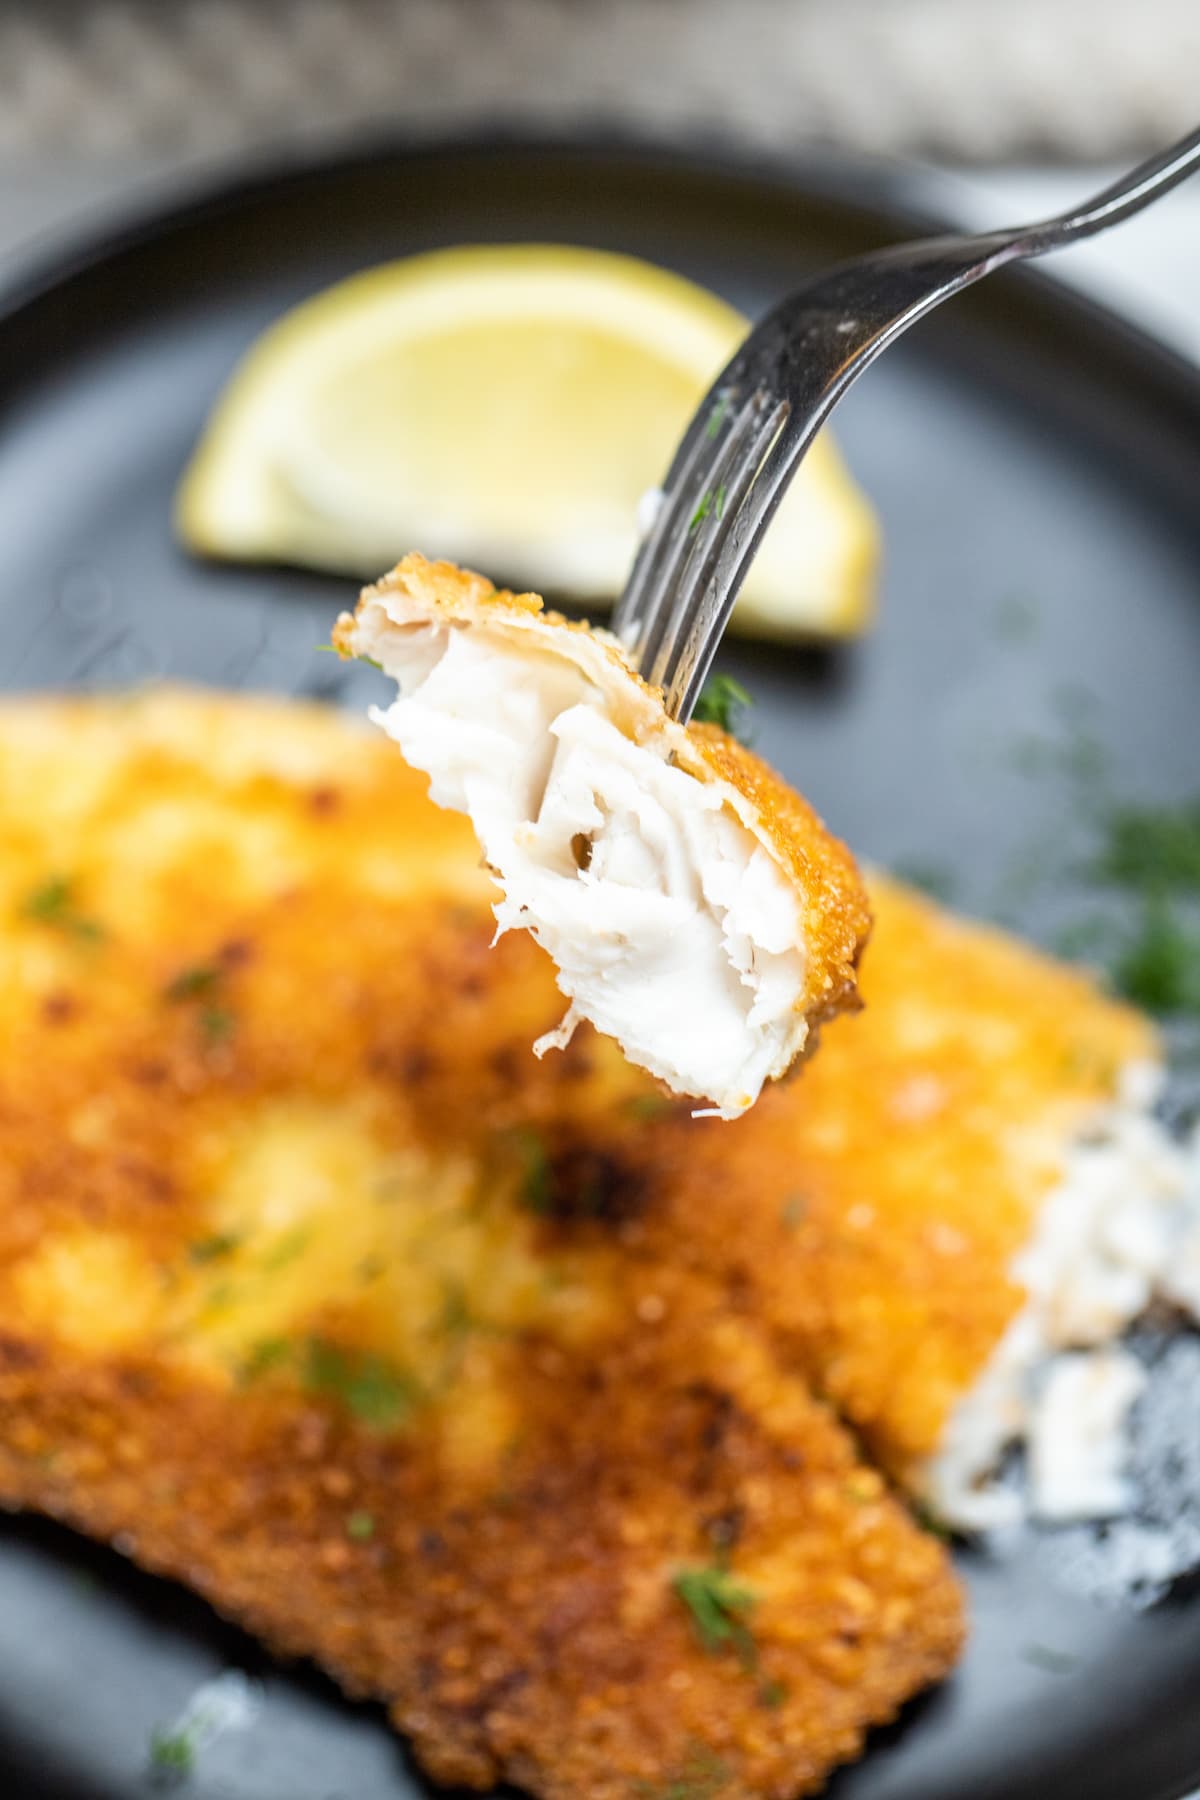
1031	459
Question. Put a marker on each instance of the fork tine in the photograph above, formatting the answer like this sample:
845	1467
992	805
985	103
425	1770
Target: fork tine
736	473
664	549
711	600
649	579
689	518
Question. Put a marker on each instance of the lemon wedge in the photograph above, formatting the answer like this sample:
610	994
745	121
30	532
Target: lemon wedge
506	407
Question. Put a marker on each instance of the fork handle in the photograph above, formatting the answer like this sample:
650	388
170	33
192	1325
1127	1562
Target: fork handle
815	344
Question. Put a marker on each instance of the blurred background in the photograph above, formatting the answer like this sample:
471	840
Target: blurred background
1005	104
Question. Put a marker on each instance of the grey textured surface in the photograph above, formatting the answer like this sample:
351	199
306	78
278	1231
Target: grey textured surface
961	79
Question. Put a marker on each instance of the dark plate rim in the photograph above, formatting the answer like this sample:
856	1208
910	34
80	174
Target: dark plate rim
909	196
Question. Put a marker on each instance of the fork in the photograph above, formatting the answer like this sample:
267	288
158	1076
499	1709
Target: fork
751	430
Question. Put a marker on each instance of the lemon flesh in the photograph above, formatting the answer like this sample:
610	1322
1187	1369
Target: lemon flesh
507	407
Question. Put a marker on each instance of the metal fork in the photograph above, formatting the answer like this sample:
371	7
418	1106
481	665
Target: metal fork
746	440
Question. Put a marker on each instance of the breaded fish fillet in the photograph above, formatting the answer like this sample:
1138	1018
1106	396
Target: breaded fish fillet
887	1215
318	1293
965	1183
694	906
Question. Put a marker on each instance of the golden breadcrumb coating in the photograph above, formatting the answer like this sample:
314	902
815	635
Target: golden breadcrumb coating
871	1210
318	1293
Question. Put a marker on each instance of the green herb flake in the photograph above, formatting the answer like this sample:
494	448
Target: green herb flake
456	1320
703	507
772	1694
792	1211
929	1521
262	1357
347	656
1159	966
1151	847
370	1387
1054	1662
172	1752
360	1526
195	983
645	1107
711	504
719	1606
212	1249
216	1023
287	1248
535	1172
718	415
54	904
722	702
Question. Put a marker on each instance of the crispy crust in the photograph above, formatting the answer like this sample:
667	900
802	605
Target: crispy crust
835	908
263	1083
895	1183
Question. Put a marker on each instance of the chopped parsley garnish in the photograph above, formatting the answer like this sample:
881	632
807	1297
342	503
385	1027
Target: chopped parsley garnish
346	656
1158	967
267	1354
54	904
456	1318
1130	871
367	1385
772	1694
360	1526
929	1521
711	502
196	983
722	702
172	1752
792	1211
202	983
718	415
216	1023
211	1249
286	1249
719	1606
1152	846
534	1163
229	1702
649	1106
